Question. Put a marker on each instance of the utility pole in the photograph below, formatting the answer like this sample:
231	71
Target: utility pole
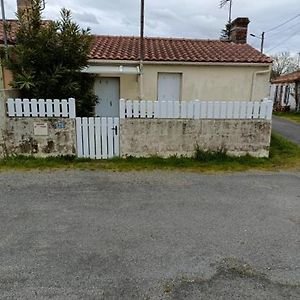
299	60
4	26
142	48
262	42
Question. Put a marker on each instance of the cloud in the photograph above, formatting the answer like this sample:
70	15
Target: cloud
85	17
182	18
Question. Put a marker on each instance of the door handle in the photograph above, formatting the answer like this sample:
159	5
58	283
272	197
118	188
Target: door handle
115	129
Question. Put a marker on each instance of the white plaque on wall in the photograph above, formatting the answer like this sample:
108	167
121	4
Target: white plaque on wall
40	129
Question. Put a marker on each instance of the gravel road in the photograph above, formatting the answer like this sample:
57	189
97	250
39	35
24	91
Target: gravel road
149	235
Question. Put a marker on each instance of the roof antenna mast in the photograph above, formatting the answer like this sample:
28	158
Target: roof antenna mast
222	4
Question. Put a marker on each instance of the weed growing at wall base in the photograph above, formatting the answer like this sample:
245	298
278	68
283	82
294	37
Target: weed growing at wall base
283	155
204	156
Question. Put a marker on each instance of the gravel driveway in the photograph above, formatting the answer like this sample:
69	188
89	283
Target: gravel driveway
153	235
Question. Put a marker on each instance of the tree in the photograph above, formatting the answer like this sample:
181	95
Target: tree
225	33
283	63
48	57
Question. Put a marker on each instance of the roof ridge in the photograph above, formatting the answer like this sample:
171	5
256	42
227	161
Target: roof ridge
160	38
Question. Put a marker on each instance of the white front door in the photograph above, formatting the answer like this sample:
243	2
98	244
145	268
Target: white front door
108	91
169	86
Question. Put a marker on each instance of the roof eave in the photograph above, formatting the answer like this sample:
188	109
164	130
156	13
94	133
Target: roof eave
111	61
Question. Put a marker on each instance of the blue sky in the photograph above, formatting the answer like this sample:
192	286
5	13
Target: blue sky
183	18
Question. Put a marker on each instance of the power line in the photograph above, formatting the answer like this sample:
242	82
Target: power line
285	29
285	40
286	22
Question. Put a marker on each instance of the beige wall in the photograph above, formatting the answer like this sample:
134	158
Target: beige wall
212	82
129	85
203	82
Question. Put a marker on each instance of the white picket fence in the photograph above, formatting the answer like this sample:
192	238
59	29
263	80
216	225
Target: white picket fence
196	109
41	108
97	138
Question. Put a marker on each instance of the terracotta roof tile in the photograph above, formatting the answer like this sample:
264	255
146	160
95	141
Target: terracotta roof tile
288	78
173	49
164	49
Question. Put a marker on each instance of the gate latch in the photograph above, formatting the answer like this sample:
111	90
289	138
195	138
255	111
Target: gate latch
115	129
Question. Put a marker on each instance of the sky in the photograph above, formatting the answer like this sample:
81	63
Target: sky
201	19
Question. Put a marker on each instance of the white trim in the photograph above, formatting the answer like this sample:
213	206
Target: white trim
253	80
133	62
111	70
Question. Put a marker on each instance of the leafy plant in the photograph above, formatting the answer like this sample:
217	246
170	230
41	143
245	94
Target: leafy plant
48	56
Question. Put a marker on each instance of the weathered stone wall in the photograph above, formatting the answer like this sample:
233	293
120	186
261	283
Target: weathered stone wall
167	137
4	94
39	137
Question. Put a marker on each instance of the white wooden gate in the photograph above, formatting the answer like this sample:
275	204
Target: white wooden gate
97	138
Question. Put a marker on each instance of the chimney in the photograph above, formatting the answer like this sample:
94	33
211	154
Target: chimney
24	5
239	30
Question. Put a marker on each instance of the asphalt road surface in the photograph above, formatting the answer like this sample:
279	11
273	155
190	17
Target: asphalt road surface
149	235
288	129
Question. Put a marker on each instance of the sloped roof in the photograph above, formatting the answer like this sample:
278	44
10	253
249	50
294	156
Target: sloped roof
164	49
175	50
288	78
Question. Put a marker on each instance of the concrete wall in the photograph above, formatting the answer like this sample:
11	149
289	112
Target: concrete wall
203	82
167	137
4	94
39	137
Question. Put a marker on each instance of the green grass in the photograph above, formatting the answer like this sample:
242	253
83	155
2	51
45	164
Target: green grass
283	155
291	116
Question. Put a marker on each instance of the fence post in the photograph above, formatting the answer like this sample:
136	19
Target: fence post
269	110
72	108
122	108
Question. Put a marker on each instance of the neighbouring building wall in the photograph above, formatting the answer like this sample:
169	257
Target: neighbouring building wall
212	82
39	137
7	78
167	137
283	95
